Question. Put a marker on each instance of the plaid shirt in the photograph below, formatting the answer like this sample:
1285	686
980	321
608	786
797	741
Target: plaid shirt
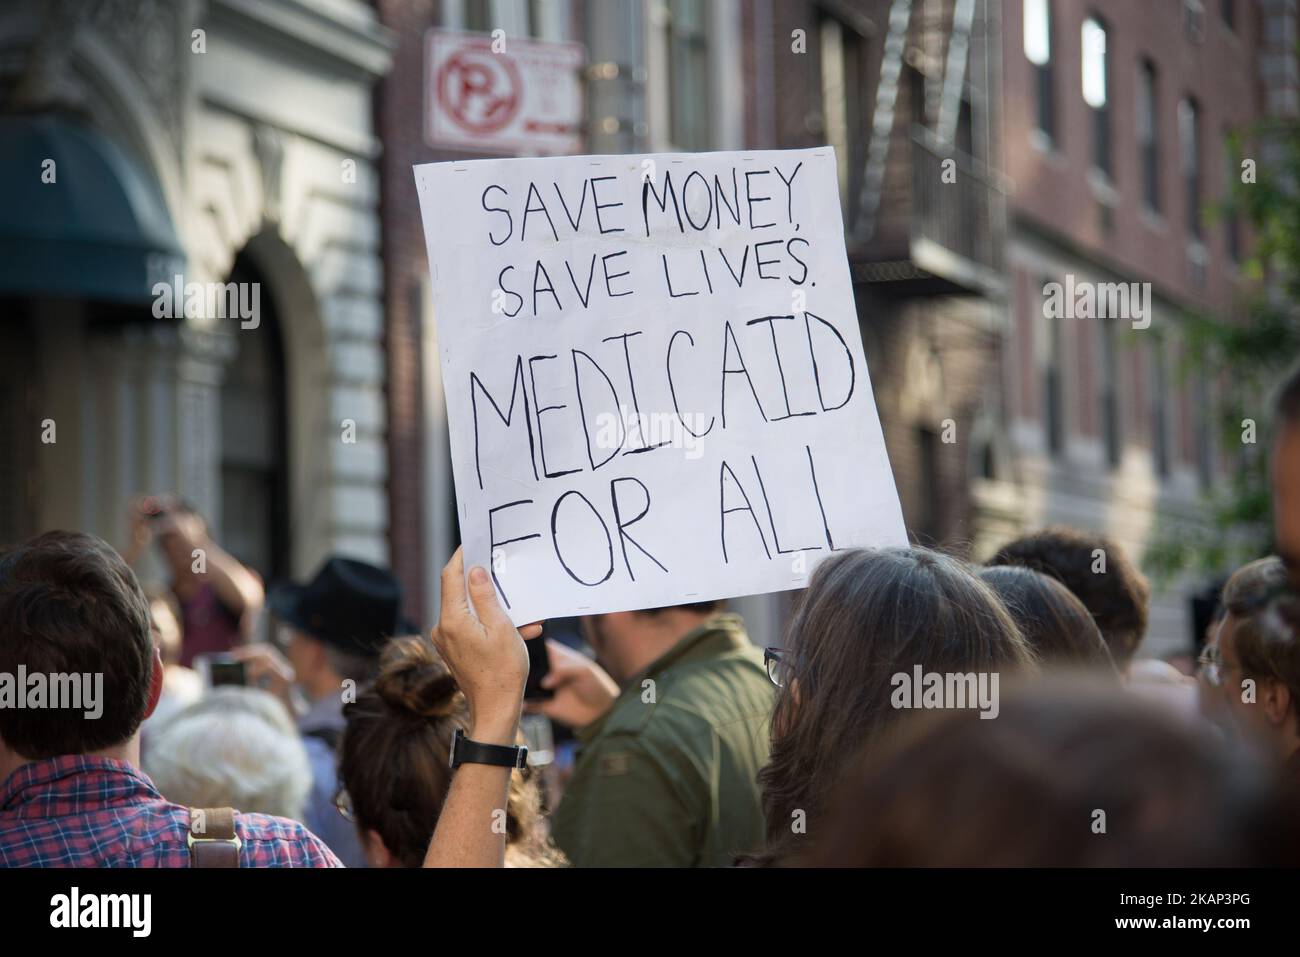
82	811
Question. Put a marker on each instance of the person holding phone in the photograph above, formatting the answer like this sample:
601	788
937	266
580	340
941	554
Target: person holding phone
219	598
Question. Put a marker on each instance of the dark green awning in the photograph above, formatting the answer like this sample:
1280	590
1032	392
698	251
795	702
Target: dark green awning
100	231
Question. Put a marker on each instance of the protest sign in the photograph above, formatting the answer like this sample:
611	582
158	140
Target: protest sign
656	388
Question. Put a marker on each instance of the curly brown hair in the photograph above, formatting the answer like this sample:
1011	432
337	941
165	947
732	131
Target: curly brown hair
1117	598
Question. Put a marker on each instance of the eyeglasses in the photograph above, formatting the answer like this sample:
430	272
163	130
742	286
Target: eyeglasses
778	668
1211	662
343	803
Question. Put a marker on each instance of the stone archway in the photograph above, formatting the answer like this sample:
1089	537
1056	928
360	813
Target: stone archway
254	458
290	303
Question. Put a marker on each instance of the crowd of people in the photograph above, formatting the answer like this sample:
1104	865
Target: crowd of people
921	711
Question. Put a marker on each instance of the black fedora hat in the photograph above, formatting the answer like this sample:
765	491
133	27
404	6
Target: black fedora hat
350	604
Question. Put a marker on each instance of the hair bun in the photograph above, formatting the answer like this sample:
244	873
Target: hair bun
414	682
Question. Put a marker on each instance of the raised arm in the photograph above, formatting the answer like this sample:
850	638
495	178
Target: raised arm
486	654
239	589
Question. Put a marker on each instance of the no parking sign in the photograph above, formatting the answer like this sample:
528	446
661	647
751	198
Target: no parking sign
499	94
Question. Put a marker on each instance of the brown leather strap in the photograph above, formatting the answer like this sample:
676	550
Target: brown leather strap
213	840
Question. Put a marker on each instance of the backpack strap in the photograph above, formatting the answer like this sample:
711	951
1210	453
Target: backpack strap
212	838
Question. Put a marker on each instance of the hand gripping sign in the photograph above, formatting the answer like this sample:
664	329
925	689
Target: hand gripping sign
655	382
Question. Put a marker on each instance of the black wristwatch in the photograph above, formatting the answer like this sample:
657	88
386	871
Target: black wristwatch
465	751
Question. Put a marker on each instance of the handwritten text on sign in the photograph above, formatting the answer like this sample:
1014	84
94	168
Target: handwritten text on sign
655	381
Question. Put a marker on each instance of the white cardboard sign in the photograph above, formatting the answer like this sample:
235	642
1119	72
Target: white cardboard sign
655	381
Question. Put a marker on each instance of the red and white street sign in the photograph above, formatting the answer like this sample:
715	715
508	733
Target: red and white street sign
526	99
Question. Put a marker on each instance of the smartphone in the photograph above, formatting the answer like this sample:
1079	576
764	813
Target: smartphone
220	669
539	665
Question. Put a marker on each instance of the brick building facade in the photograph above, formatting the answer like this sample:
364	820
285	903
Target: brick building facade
1114	125
924	247
959	207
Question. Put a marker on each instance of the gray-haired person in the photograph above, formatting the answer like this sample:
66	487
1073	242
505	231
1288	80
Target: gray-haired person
235	747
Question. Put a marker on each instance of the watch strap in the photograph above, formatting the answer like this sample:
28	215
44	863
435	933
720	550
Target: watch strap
466	751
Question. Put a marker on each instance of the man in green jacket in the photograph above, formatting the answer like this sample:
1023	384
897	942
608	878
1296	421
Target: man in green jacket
670	745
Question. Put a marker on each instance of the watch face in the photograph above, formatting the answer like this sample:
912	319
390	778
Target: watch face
455	740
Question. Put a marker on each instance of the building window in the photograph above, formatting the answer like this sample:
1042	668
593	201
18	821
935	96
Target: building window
842	83
1205	451
537	20
915	83
1148	134
1159	409
688	74
254	441
1038	51
1231	219
964	136
478	16
1053	409
1189	137
1111	423
926	530
1096	82
22	393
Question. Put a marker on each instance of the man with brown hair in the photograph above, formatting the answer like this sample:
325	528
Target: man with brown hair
1100	575
72	792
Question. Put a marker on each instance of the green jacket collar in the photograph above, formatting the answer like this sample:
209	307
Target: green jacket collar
716	636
